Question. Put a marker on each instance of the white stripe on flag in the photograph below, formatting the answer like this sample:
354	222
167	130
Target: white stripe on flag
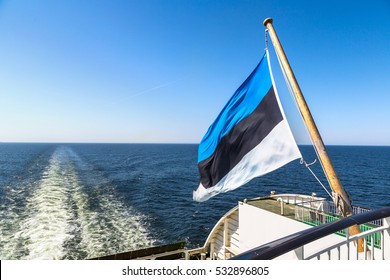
277	149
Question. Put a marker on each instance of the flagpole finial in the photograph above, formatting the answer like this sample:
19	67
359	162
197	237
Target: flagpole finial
267	20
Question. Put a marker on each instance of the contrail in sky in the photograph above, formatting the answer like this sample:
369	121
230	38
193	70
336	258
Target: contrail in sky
142	92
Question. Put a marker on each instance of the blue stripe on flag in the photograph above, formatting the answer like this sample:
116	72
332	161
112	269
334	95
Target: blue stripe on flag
243	102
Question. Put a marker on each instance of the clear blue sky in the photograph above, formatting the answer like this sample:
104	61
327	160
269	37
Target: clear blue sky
160	71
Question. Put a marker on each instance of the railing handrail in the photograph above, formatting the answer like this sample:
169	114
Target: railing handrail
283	245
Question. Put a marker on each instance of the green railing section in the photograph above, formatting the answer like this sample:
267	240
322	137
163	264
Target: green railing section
316	217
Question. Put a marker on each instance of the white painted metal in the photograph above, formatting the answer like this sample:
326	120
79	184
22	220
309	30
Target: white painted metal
247	226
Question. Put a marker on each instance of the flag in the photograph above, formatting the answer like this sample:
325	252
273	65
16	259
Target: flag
249	138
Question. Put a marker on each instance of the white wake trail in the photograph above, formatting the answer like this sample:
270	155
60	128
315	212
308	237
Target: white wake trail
72	212
48	222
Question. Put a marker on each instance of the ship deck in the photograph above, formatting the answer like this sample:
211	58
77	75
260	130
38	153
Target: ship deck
274	206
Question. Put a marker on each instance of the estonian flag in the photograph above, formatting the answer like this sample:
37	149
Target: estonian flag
249	138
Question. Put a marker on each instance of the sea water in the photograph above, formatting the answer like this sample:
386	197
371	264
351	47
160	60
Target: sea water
79	201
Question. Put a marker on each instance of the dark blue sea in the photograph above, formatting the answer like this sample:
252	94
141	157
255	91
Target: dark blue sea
78	201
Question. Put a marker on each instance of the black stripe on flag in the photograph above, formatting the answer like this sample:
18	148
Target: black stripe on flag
245	136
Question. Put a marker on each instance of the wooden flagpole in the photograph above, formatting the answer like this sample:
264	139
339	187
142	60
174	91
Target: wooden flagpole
342	198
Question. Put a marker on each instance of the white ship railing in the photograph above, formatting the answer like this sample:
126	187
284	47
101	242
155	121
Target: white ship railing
371	252
329	247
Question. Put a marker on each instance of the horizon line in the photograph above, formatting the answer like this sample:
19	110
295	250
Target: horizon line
168	143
